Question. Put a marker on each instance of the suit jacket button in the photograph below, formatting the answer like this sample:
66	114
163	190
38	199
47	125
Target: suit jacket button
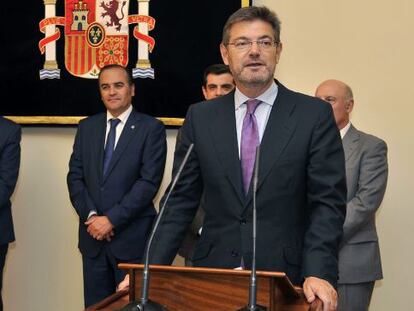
234	253
243	221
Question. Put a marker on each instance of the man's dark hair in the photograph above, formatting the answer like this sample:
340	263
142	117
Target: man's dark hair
112	66
249	14
216	69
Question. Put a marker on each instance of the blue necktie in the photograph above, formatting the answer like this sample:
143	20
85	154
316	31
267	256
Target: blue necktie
110	144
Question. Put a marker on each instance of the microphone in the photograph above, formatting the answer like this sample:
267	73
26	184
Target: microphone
252	306
145	304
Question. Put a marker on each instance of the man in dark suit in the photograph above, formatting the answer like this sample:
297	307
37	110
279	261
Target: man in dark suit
301	193
366	175
115	170
217	81
10	135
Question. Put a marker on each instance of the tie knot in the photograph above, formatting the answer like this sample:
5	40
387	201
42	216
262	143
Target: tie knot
114	122
252	105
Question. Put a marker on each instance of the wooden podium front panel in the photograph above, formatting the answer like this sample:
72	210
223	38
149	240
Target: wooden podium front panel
200	289
204	289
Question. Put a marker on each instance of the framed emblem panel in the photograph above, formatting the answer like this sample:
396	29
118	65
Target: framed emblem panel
54	50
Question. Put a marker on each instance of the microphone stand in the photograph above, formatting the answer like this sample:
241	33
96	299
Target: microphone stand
253	306
145	304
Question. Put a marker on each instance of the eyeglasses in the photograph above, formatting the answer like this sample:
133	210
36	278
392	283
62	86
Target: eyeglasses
244	45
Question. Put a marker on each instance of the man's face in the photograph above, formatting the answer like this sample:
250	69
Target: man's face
254	66
115	91
334	92
218	85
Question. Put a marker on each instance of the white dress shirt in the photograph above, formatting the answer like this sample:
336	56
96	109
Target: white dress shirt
344	130
123	117
262	112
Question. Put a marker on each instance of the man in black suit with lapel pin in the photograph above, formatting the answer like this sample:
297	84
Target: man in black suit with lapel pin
115	171
301	194
10	135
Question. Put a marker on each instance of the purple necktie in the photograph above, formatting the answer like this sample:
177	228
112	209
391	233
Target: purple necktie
249	141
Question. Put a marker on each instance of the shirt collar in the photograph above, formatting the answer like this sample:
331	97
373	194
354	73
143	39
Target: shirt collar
344	130
123	117
268	97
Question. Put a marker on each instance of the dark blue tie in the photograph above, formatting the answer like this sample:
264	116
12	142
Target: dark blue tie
110	144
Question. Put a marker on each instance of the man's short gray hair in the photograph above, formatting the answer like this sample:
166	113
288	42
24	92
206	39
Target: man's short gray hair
251	13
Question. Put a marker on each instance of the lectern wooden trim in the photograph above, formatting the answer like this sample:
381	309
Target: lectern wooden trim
202	289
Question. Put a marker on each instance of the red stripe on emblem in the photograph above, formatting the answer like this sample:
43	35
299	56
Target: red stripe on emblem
90	51
69	53
82	56
76	59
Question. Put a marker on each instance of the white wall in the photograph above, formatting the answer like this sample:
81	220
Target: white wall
368	44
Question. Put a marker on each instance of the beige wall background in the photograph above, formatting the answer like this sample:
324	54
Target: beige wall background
368	44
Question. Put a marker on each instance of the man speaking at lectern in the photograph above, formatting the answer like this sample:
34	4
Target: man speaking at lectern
301	194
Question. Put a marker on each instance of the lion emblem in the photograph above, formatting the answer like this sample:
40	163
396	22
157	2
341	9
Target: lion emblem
111	10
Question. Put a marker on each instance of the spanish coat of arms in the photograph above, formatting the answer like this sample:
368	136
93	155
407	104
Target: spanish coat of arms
96	34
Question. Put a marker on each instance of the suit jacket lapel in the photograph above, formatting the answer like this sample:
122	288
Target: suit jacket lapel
223	131
131	127
350	142
278	132
99	144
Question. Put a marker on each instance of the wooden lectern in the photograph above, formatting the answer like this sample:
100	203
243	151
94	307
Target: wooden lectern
202	289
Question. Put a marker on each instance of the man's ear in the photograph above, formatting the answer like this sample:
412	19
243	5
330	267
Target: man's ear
133	89
349	105
204	92
224	54
278	52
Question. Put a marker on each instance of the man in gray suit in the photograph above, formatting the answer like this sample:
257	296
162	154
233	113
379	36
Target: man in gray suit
366	170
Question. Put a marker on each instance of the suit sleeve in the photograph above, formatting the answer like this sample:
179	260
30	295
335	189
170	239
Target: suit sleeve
145	188
373	173
183	202
78	192
326	200
9	165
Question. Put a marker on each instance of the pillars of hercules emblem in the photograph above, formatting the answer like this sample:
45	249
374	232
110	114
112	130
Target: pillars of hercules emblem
143	65
50	65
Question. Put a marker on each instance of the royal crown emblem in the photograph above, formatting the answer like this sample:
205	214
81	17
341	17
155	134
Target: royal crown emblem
96	34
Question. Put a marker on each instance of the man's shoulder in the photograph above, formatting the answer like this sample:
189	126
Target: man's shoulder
93	119
146	118
369	140
302	100
8	123
212	104
8	127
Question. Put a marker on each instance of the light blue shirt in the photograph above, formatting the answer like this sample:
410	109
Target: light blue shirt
262	112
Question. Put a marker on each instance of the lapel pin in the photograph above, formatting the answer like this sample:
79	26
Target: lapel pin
132	127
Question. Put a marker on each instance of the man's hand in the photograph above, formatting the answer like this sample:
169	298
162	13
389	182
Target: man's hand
124	284
314	287
99	227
